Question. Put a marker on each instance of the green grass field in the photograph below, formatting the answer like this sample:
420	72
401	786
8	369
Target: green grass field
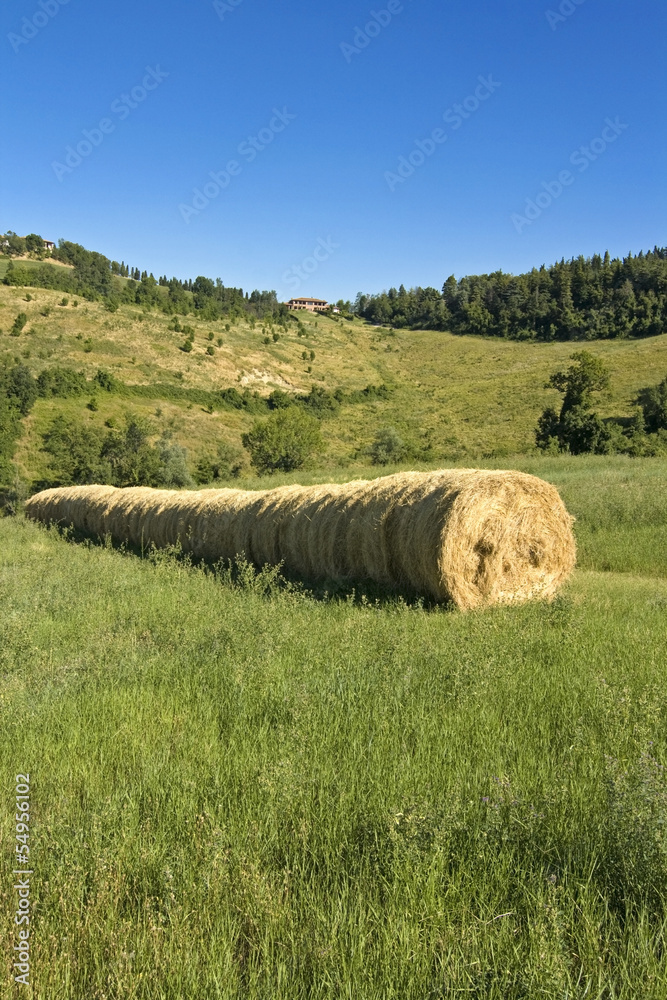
241	790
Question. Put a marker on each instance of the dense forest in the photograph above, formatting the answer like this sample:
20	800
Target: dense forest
581	299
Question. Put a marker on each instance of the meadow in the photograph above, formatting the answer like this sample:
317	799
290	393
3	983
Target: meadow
245	789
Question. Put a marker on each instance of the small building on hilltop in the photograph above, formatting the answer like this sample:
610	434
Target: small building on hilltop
312	305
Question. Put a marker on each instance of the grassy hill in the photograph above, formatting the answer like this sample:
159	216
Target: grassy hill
470	398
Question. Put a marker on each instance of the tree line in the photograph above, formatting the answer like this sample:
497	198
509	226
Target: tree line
585	298
94	276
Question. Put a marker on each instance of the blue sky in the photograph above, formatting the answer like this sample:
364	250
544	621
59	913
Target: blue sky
315	202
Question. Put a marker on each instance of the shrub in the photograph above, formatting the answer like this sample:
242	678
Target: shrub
74	451
105	380
61	382
320	401
19	388
173	469
284	441
654	404
280	400
387	447
210	350
18	324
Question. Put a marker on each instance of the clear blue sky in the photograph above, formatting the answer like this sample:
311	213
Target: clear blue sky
322	177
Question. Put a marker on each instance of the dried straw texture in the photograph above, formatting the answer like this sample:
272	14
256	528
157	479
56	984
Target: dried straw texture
474	537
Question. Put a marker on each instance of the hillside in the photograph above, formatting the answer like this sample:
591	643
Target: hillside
453	398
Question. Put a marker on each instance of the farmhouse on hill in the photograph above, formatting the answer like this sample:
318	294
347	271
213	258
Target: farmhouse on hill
312	305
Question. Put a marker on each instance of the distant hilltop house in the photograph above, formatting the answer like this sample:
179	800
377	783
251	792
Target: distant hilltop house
312	305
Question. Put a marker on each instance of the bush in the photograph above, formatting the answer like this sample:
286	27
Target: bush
388	447
61	382
228	464
280	400
173	470
654	404
19	324
75	453
321	402
83	454
105	380
284	441
19	388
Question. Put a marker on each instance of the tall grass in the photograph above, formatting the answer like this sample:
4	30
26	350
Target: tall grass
242	791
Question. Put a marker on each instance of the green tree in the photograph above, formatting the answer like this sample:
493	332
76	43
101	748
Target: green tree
19	387
10	429
587	375
654	404
388	447
576	428
34	243
284	441
74	451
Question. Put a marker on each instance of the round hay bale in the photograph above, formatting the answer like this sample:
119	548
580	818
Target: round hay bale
469	536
